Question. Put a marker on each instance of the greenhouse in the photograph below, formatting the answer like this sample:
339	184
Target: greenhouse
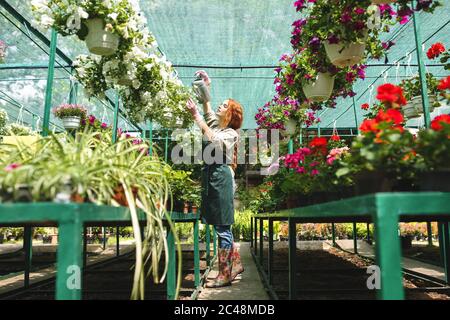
224	150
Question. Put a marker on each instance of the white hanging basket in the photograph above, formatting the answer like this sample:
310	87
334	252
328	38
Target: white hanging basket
320	90
410	111
382	1
291	126
99	41
71	122
417	101
344	54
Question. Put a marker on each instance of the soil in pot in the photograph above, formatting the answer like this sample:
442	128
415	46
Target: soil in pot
438	180
367	182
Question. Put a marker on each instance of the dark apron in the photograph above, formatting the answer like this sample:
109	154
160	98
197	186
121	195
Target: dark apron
217	195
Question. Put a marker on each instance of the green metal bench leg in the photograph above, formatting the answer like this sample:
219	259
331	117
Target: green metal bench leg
270	253
117	242
28	247
251	232
430	234
256	237
388	253
104	238
292	258
84	247
261	242
196	255
208	244
355	240
333	234
171	272
69	261
444	231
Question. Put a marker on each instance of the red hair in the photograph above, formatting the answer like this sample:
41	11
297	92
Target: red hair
233	118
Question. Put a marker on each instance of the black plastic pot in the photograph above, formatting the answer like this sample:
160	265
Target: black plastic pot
438	180
367	182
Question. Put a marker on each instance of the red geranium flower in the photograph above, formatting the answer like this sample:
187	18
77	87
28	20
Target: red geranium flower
444	84
391	94
391	115
435	50
319	144
365	106
369	125
335	137
437	122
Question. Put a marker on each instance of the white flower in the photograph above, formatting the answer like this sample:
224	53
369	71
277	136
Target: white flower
113	15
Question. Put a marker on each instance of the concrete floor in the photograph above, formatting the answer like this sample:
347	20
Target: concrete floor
247	286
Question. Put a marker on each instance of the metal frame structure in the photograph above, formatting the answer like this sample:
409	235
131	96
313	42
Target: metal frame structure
385	210
72	220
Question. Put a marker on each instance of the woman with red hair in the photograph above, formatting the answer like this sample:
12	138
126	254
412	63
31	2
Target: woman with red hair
220	137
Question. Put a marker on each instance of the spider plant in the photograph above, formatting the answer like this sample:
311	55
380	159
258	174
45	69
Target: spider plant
94	168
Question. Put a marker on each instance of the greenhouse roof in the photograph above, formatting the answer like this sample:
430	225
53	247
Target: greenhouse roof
237	42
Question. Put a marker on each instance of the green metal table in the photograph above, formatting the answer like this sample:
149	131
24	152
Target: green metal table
71	219
385	210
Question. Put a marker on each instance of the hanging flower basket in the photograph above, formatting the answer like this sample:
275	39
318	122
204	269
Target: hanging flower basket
290	128
321	89
417	101
99	41
71	122
345	54
414	107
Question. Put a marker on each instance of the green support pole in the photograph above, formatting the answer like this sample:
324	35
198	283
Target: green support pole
270	253
261	242
388	252
355	240
208	245
116	118
49	89
300	138
196	255
69	261
291	146
73	92
333	234
28	247
354	112
292	258
420	62
117	242
171	272
166	146
318	130
150	130
430	234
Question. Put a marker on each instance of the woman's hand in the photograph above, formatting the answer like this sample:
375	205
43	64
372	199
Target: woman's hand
204	76
192	107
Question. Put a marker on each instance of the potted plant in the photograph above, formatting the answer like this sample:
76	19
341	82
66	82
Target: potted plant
3	48
70	114
383	154
413	93
407	234
344	29
405	9
433	145
104	26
